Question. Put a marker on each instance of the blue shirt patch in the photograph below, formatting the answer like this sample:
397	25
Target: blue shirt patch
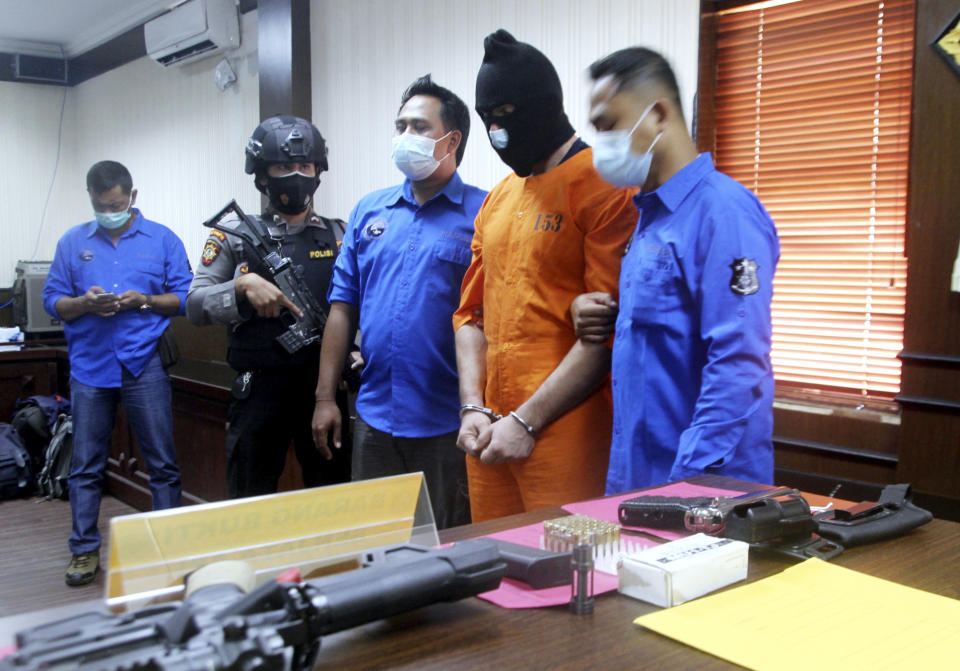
375	228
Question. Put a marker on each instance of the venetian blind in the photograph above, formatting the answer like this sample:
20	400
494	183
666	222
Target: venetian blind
813	114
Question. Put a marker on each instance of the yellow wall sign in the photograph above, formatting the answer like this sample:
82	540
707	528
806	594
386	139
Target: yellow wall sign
947	44
150	553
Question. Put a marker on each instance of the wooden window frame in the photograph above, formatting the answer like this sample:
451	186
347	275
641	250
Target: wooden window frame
880	406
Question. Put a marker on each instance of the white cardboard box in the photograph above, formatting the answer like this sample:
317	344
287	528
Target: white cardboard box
681	570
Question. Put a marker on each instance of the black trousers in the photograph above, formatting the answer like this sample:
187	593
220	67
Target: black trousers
276	407
378	454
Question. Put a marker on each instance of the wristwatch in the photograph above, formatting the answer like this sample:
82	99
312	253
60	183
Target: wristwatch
148	304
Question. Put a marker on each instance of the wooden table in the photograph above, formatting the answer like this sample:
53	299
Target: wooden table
474	634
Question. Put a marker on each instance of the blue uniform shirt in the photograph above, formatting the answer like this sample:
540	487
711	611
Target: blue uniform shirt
148	258
401	264
692	379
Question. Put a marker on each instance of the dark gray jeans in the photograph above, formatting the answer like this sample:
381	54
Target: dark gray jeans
377	454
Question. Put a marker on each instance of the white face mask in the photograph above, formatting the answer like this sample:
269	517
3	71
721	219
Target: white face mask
499	138
413	155
614	160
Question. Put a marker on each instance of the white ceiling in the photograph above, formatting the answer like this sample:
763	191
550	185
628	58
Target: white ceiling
70	27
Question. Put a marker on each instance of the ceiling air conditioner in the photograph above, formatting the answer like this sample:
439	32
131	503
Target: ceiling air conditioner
194	30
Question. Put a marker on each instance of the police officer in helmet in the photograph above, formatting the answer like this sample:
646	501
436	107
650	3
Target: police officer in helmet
272	396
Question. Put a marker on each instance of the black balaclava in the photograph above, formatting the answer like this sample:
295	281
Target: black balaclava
516	73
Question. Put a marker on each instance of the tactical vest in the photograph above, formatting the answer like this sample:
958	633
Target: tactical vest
253	343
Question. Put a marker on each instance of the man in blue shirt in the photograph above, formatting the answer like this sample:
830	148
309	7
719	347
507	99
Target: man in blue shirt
398	275
692	379
115	282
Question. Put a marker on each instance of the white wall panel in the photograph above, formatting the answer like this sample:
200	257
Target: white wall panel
180	136
183	139
29	121
365	53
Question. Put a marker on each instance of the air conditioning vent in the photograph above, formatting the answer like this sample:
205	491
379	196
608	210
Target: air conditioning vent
189	52
40	69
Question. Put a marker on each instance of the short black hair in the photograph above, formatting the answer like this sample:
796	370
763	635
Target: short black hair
453	112
105	175
634	66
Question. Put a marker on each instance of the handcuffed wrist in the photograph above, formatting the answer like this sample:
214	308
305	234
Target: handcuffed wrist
470	407
522	422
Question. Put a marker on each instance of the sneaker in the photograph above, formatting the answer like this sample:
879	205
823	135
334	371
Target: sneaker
83	568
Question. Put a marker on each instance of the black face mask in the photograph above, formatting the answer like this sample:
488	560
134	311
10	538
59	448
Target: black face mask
534	131
291	194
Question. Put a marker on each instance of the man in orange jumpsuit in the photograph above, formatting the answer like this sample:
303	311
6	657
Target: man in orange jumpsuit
535	414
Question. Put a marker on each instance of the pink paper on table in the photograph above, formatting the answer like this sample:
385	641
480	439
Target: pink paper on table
606	509
515	594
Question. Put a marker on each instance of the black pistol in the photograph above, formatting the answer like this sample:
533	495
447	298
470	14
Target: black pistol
697	514
760	518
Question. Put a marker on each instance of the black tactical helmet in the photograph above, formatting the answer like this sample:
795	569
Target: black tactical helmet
285	139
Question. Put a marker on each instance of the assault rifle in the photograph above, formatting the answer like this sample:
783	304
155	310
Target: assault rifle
275	627
303	330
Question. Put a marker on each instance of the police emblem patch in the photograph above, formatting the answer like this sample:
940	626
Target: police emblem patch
211	251
375	228
744	279
244	269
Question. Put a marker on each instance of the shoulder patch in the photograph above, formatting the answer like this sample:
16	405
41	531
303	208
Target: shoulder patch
211	251
219	235
744	279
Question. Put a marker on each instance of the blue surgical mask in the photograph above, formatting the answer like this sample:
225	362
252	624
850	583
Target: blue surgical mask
499	138
614	160
113	220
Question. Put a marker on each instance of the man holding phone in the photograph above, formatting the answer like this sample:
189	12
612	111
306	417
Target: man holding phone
115	282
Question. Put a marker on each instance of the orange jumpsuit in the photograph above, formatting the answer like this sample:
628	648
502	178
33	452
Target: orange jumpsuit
539	242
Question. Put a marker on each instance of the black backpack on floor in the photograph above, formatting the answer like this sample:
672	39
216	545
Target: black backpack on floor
16	469
34	419
52	481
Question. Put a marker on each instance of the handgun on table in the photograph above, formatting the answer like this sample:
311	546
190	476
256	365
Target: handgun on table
703	514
